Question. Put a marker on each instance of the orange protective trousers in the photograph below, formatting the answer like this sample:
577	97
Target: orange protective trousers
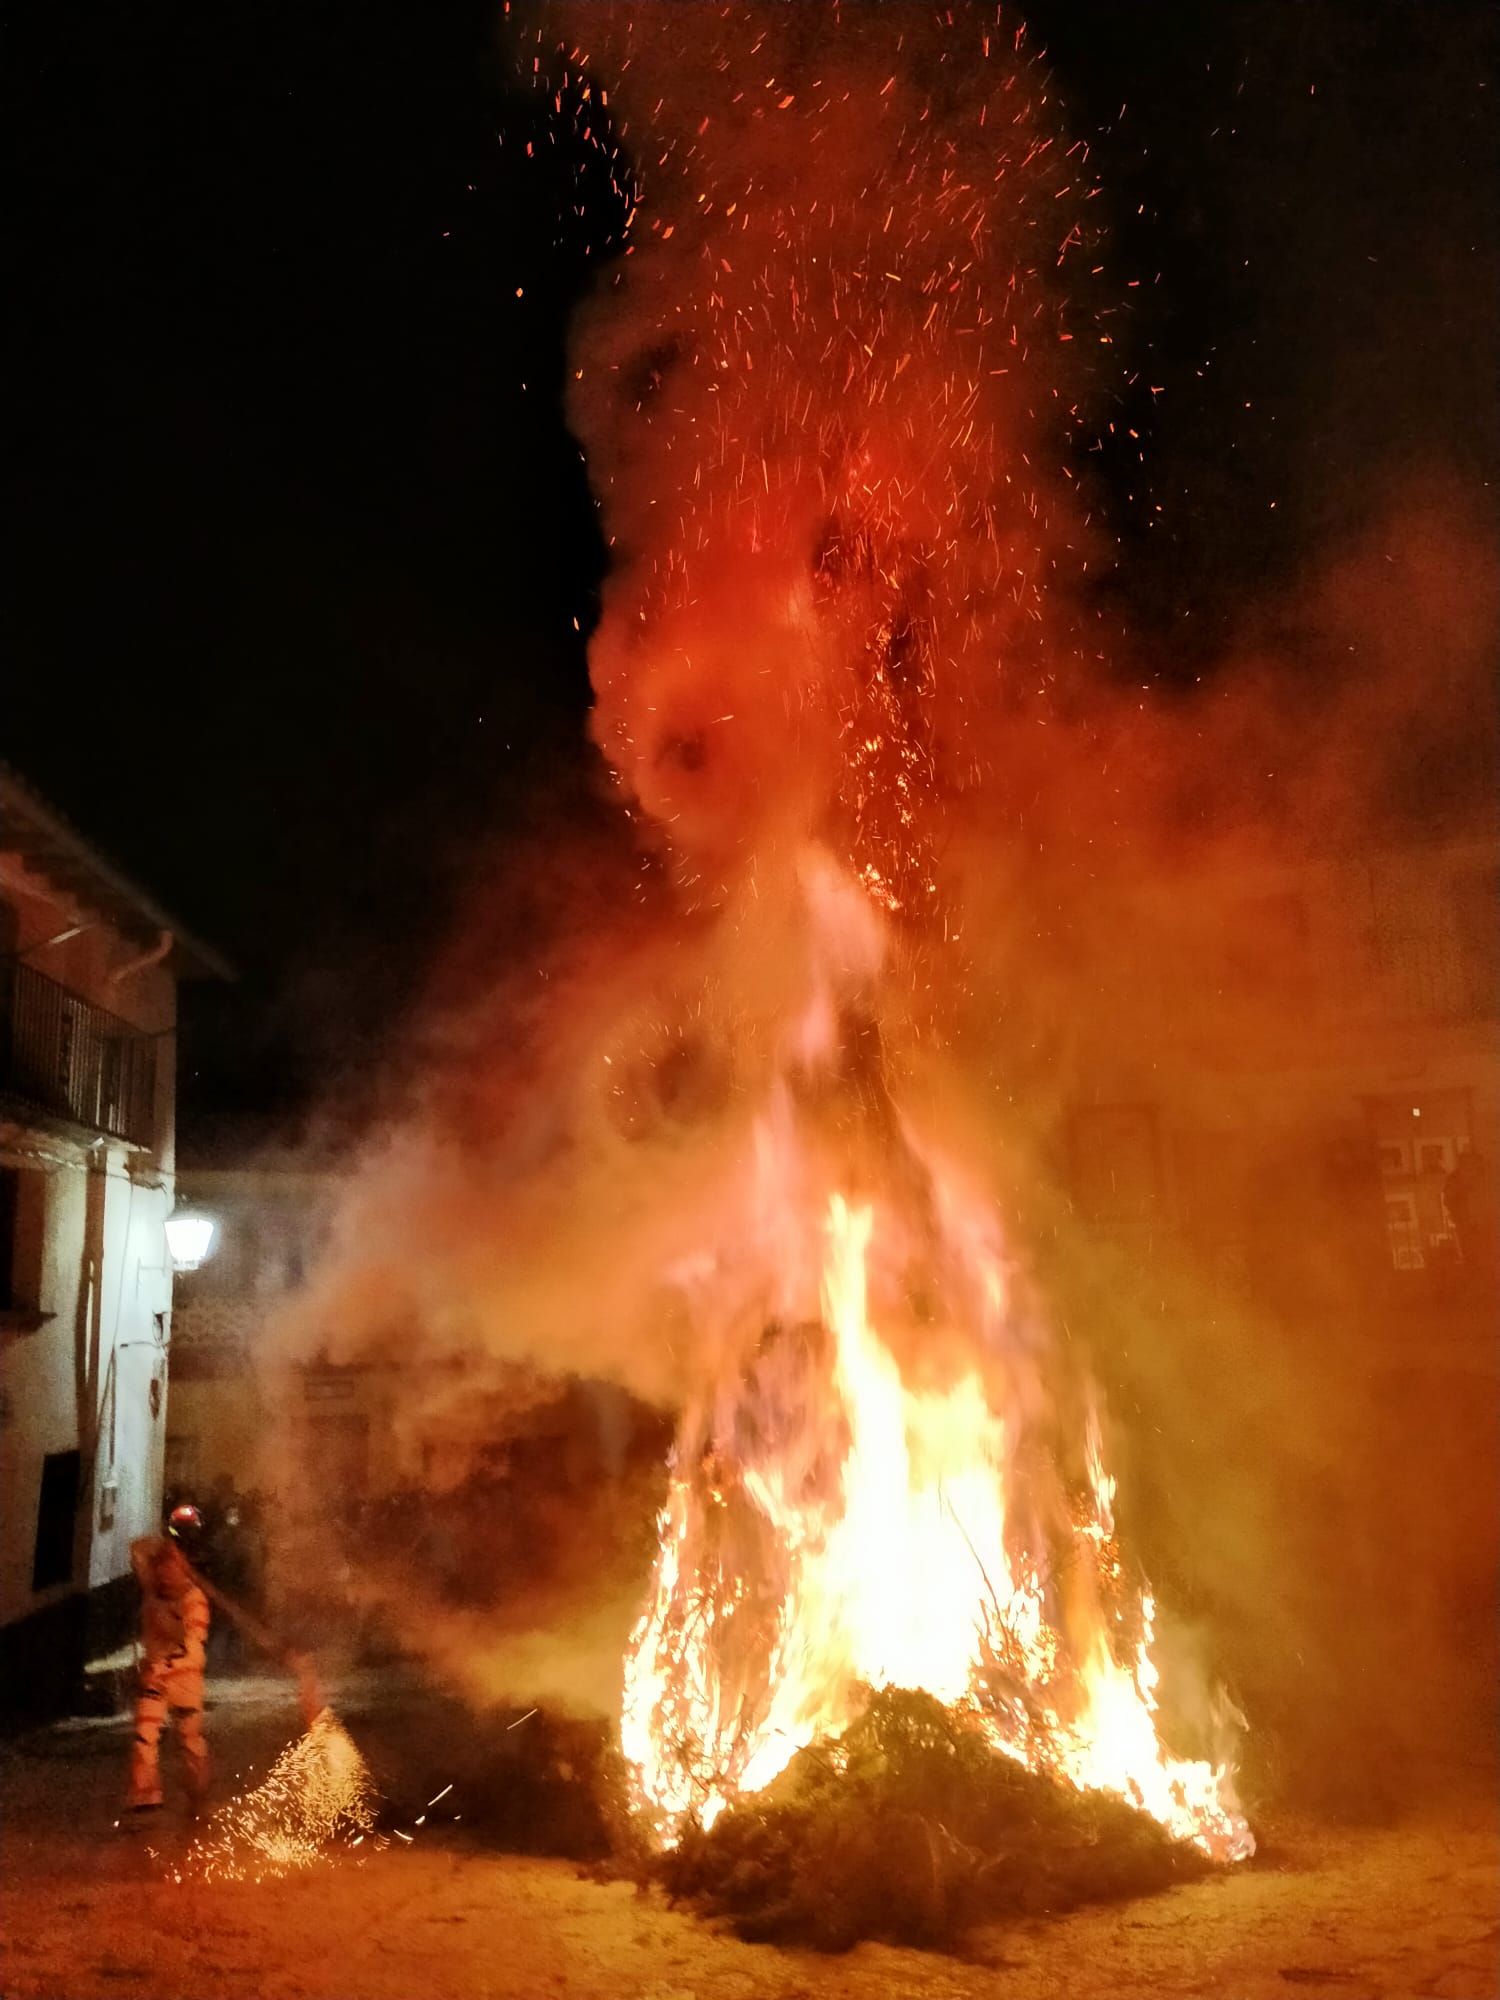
178	1690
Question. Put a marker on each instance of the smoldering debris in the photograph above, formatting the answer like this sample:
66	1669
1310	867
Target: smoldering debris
909	1828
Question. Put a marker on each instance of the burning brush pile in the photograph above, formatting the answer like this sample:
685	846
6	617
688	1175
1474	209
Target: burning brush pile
908	1827
881	1500
895	1674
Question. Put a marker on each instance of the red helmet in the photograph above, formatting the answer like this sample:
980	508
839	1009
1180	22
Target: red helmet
185	1522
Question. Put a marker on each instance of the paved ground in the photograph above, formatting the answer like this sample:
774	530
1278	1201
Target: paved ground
1352	1913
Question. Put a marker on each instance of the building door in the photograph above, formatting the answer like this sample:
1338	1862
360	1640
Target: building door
56	1519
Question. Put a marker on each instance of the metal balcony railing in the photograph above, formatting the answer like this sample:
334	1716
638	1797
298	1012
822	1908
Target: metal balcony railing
62	1055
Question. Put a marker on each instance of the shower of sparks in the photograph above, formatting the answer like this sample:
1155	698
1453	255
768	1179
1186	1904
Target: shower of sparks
317	1799
860	390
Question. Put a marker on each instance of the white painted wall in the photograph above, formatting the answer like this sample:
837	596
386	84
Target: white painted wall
137	1286
38	1401
103	1309
83	1379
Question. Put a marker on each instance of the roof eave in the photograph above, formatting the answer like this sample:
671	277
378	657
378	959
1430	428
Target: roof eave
50	843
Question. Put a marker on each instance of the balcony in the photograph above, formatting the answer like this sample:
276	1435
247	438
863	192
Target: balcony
66	1058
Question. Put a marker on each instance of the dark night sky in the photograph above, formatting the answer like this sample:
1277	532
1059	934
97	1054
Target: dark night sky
299	557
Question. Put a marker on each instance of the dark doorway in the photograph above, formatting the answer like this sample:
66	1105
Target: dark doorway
56	1515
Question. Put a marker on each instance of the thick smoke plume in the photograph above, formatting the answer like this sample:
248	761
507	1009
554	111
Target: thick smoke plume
826	402
825	417
835	398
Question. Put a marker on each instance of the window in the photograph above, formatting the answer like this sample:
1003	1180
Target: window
9	1200
56	1519
22	1200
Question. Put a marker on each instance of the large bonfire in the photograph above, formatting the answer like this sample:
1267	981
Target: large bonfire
877	1493
828	396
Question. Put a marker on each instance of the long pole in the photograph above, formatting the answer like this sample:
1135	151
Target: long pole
269	1642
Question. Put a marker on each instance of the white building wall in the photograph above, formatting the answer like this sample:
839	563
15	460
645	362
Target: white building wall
38	1391
136	1315
83	1379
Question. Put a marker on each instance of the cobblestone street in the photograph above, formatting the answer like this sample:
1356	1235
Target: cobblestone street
1354	1913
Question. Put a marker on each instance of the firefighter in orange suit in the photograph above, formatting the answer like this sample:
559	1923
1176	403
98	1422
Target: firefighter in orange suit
174	1636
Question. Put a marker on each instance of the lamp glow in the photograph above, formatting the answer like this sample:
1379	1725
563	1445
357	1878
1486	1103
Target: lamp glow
190	1237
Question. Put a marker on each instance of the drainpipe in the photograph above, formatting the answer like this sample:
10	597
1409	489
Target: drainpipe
154	956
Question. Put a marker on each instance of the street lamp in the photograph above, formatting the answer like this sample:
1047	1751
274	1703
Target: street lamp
190	1237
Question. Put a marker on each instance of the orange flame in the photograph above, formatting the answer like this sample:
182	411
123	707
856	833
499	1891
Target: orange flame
845	1526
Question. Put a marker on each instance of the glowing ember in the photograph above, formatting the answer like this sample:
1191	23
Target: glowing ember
317	1798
